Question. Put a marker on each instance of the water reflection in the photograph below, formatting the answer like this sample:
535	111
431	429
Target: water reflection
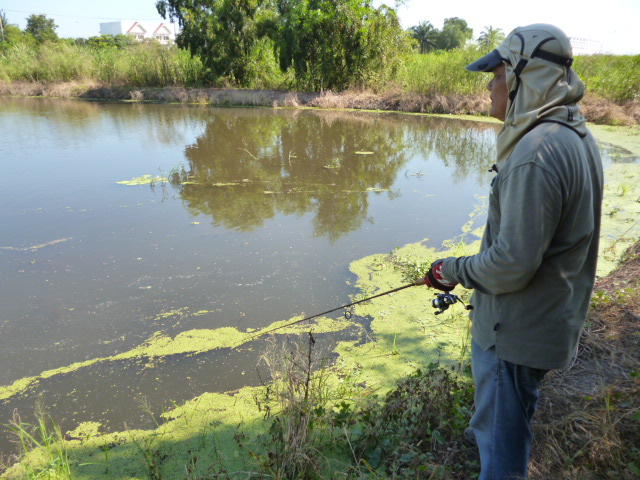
247	168
74	123
467	148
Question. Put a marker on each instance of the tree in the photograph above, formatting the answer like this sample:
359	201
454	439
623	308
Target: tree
426	35
455	33
222	33
490	38
43	29
333	44
108	41
330	44
11	34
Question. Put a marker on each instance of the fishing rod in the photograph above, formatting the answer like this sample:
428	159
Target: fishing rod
441	303
332	310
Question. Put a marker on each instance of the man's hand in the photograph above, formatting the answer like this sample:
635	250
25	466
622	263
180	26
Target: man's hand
435	279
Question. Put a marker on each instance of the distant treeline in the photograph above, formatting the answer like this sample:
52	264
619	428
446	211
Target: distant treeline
312	46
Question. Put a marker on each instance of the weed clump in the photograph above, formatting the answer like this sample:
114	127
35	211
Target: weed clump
317	427
304	414
417	431
42	446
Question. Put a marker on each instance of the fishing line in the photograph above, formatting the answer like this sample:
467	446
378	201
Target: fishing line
329	311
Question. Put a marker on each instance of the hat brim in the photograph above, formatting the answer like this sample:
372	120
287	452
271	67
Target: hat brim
487	63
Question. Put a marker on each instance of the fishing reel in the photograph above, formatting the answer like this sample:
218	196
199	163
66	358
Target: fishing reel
444	300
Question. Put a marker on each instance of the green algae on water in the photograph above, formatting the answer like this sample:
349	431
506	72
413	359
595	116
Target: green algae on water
33	248
406	333
620	214
144	180
190	342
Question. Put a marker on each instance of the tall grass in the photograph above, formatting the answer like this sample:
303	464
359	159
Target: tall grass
43	449
146	64
441	73
609	77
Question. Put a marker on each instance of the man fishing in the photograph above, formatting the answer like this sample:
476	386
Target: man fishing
535	271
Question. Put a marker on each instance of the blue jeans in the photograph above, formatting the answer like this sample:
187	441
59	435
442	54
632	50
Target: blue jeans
506	397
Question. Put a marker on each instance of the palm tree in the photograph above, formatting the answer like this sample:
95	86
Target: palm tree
426	34
490	38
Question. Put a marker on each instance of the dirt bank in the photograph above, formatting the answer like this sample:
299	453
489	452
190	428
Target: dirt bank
596	110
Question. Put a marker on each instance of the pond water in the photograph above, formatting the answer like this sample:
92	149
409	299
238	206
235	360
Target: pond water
255	217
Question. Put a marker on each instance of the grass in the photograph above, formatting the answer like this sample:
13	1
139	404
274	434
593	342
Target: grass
441	73
432	83
416	431
614	77
43	452
146	64
320	429
307	416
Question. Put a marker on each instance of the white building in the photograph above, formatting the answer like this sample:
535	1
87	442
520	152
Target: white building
162	32
583	46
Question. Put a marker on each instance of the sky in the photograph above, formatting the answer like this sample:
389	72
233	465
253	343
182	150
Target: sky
612	24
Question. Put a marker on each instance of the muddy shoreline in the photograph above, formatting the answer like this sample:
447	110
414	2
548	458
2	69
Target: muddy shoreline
596	110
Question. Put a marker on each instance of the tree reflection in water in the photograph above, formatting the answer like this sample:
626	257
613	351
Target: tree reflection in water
250	165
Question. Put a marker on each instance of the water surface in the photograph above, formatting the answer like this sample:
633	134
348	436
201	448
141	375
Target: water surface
259	217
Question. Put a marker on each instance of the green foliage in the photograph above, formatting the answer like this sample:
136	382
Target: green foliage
232	39
317	429
108	41
307	417
43	449
410	268
140	64
426	35
601	299
363	50
153	65
11	34
223	33
490	38
264	44
50	62
442	72
455	33
262	69
612	77
43	29
421	421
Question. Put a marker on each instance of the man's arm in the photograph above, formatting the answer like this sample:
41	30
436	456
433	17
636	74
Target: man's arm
530	202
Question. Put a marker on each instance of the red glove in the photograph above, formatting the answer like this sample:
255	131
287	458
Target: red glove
435	279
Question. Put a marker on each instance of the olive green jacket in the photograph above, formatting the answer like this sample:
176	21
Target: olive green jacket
535	272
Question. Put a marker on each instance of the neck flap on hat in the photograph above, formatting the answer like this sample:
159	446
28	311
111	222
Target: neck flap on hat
540	90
